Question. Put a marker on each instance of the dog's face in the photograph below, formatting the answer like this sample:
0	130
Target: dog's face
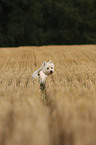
48	68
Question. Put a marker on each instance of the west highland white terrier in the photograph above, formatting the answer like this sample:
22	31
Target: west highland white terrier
45	70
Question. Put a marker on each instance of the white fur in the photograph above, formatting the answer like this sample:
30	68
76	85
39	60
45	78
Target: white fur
42	77
46	68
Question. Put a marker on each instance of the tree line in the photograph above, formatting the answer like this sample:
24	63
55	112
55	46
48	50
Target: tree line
47	22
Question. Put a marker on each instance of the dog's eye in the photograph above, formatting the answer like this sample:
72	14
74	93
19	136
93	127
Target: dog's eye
47	67
51	67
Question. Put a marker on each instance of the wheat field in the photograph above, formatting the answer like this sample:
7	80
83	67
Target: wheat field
68	116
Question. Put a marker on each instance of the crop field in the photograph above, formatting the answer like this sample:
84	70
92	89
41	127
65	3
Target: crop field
67	116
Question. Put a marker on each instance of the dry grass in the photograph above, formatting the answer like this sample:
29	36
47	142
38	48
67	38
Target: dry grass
69	115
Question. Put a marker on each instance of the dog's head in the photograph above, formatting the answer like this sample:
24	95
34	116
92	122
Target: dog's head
48	68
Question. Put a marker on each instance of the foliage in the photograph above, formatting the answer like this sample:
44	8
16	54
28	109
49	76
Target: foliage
38	22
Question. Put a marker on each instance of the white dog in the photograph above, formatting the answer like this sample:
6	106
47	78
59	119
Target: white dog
45	70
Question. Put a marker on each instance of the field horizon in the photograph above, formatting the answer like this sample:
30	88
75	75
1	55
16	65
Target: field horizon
68	117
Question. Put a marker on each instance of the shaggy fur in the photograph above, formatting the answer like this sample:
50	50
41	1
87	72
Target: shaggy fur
41	74
46	68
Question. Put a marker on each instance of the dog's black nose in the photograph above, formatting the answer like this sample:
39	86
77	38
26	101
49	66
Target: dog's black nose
51	72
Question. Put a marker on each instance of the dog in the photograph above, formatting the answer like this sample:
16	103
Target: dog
46	69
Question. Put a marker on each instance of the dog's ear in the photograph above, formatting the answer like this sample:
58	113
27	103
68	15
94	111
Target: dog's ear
50	61
44	63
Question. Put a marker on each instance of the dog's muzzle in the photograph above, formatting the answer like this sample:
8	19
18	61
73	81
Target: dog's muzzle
51	72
